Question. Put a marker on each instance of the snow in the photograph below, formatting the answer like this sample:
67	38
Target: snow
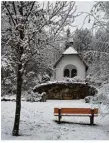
103	95
64	81
9	97
70	50
105	90
38	122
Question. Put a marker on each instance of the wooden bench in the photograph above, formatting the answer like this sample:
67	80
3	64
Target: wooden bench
76	112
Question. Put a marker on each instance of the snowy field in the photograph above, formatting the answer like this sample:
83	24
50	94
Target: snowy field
38	122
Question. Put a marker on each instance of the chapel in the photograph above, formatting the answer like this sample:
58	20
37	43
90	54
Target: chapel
70	64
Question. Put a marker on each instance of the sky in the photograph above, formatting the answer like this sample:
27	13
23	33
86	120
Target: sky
83	6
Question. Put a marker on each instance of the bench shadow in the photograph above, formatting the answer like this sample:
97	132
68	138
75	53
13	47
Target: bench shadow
69	122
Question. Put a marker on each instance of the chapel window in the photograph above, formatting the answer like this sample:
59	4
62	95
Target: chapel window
73	73
66	73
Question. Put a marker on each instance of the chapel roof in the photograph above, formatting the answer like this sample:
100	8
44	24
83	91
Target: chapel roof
70	51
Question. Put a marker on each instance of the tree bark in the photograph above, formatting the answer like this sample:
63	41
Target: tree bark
20	51
15	131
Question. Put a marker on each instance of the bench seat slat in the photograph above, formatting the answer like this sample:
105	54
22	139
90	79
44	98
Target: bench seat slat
75	111
84	115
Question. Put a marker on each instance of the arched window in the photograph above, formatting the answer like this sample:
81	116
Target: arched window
73	73
66	73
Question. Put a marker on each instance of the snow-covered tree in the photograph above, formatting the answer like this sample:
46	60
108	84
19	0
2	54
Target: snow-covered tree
67	39
32	25
100	13
100	48
7	75
82	39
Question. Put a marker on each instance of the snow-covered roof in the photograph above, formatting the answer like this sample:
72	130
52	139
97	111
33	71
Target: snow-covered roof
70	50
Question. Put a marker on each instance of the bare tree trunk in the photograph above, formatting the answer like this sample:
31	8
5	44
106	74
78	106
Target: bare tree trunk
15	131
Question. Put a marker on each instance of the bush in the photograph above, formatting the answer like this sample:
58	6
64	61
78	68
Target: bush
36	97
102	98
74	79
88	99
45	78
43	97
33	97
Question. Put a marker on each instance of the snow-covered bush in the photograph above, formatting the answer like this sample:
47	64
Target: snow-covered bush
88	99
45	78
34	97
103	98
103	94
74	79
43	97
77	79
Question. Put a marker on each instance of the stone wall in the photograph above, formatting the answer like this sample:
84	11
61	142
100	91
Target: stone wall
66	91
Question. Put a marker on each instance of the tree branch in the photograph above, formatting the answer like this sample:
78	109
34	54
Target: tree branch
14	8
9	13
30	10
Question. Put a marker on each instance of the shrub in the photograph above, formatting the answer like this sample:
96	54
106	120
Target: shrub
33	97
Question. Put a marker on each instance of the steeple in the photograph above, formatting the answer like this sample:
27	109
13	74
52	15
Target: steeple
69	39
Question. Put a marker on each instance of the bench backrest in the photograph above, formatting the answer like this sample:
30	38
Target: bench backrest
76	111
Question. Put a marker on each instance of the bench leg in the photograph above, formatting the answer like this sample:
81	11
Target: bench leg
59	116
59	119
91	120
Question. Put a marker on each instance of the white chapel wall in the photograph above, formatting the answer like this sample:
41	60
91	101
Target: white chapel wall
73	60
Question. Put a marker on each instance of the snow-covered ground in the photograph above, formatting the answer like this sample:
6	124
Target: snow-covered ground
38	122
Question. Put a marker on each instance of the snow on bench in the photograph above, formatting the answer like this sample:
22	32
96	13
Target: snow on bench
76	112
